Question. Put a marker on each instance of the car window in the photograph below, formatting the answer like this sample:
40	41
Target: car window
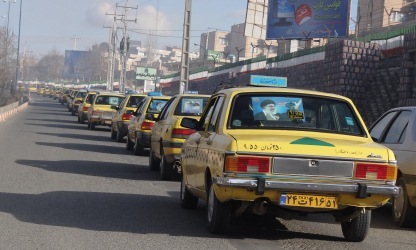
398	128
191	106
167	108
81	94
90	98
378	128
294	112
108	100
156	105
134	101
216	115
204	121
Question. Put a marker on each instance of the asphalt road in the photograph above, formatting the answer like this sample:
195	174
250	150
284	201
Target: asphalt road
63	186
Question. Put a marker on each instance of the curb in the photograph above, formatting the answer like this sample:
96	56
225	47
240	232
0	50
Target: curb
9	113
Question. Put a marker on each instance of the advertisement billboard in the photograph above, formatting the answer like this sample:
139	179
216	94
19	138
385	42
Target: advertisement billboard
301	19
76	64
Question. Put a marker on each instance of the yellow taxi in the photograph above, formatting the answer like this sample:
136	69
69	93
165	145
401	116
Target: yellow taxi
100	111
40	91
46	91
32	88
286	152
123	114
85	105
167	135
142	121
79	96
70	98
63	97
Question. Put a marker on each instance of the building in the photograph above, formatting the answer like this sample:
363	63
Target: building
379	15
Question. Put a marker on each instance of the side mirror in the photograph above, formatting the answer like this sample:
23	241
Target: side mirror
189	123
150	117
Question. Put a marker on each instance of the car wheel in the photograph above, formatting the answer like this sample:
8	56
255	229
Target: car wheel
138	148
129	143
92	126
219	213
113	134
356	230
188	200
165	169
81	119
73	112
119	136
153	162
404	215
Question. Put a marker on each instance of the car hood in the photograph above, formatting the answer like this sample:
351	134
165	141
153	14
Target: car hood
310	144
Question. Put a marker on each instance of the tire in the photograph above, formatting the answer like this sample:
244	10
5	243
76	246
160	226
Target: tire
404	215
154	163
119	136
165	169
73	112
92	126
81	119
218	213
129	143
187	200
356	230
138	148
113	134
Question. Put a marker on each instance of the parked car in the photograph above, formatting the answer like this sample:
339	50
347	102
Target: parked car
63	97
100	111
123	114
142	121
70	98
167	135
285	152
396	129
84	106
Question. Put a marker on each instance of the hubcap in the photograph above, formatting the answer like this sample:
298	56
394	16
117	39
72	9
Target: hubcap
398	204
210	205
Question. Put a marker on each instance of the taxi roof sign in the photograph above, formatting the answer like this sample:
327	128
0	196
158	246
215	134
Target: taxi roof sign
268	81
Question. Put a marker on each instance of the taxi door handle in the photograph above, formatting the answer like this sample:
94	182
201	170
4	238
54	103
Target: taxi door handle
208	141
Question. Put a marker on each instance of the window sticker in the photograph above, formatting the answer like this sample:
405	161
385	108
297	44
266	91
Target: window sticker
157	105
191	105
278	108
350	121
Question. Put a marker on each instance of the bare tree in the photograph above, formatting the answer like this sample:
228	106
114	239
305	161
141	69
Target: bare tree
50	67
97	62
7	63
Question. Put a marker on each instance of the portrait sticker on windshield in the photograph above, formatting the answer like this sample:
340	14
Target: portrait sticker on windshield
193	105
278	108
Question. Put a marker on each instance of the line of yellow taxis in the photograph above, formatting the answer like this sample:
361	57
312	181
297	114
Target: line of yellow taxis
256	149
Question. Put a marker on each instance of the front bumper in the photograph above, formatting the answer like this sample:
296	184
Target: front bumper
260	185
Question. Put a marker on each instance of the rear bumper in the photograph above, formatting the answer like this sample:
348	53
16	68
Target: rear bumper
260	185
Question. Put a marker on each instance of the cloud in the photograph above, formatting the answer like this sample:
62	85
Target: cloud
96	14
148	18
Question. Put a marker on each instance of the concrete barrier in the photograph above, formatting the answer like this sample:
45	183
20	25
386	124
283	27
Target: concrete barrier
9	110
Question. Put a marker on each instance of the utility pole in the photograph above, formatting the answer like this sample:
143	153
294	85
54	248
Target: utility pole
184	81
124	47
111	53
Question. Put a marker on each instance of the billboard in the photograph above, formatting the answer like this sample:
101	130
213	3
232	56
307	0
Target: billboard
302	19
143	73
76	64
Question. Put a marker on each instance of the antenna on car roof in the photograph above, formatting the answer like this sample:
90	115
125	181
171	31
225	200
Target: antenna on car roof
225	85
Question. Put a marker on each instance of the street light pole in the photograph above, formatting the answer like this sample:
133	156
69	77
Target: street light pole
14	88
8	16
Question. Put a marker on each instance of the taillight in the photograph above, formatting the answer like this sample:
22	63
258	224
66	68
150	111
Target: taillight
147	125
182	133
247	164
85	108
375	171
126	116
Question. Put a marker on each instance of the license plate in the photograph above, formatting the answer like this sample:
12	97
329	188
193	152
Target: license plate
302	200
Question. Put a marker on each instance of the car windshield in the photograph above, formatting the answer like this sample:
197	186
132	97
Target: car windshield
297	112
81	94
134	101
191	106
108	100
156	106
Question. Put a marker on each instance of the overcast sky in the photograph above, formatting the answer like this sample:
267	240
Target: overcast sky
53	24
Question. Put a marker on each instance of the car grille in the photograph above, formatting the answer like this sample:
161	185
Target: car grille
317	167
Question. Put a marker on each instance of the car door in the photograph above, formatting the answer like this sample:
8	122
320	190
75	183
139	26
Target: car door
394	136
160	127
207	136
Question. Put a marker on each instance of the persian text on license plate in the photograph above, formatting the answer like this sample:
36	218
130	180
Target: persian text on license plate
302	200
